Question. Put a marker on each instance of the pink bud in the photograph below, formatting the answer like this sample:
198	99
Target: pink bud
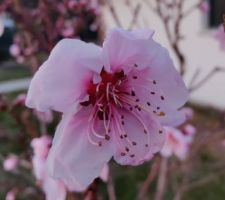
204	6
11	163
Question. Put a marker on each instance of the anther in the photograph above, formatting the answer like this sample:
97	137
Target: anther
133	93
135	77
107	137
160	131
148	103
152	93
127	149
162	98
134	143
154	82
122	154
100	144
132	155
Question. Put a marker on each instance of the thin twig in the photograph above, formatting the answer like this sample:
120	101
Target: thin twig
114	14
153	171
110	187
161	179
214	71
135	16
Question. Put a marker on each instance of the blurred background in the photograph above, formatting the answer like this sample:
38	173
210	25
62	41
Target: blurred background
193	33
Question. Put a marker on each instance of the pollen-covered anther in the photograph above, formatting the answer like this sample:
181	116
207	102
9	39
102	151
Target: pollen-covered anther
161	114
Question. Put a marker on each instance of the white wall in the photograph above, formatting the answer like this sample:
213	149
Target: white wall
201	49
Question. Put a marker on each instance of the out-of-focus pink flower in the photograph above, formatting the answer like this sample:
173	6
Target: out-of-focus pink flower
105	173
20	100
54	189
2	25
15	50
46	117
68	31
220	36
115	101
204	6
11	195
11	163
188	112
178	142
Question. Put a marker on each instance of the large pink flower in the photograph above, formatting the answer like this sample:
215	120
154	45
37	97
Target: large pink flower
114	100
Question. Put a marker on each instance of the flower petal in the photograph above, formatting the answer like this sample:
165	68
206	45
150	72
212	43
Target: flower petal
142	138
63	78
72	158
125	48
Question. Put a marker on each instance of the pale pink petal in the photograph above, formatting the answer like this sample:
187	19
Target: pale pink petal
105	173
14	50
150	96
11	163
45	117
176	143
62	79
53	189
39	167
124	50
119	51
204	6
142	137
11	195
188	112
41	146
72	158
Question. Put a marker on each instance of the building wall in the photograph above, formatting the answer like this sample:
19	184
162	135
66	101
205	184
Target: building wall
200	48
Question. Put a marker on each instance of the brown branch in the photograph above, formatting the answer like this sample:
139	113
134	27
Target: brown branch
114	14
110	188
161	184
153	171
135	16
214	71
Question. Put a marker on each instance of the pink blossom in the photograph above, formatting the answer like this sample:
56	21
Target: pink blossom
220	36
20	100
178	142
188	112
11	163
105	173
46	117
204	6
115	101
54	190
15	50
11	195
